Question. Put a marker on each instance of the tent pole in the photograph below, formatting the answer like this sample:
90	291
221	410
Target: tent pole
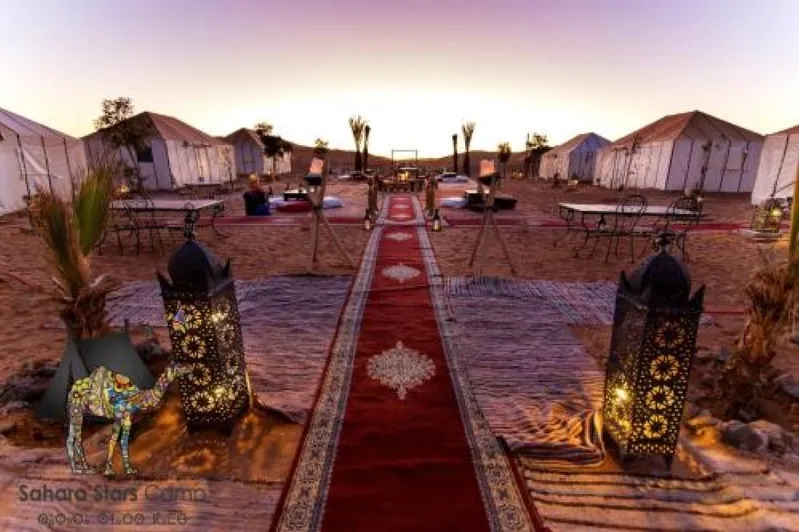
169	165
782	162
724	166
688	170
208	160
743	165
47	166
69	169
24	166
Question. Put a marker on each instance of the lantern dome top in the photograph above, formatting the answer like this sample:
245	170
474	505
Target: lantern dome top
196	268
661	280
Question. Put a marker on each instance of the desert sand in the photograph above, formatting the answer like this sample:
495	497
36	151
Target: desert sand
722	261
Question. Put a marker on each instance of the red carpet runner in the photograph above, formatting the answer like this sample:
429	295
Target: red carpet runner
396	441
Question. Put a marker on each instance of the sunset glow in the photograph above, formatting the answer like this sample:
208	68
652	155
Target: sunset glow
414	69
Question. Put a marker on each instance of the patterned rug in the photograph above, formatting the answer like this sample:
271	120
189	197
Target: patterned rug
396	441
260	301
539	390
287	323
580	303
535	383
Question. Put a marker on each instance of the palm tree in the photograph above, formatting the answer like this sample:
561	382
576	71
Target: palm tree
455	153
263	129
70	232
320	147
535	146
357	126
503	154
366	130
468	130
274	146
119	131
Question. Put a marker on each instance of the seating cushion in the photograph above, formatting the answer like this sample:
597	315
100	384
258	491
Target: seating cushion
295	206
331	202
455	202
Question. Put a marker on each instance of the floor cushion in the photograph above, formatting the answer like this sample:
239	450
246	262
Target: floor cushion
295	206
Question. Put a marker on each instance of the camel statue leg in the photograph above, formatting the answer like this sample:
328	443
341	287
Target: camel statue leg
75	452
129	469
112	442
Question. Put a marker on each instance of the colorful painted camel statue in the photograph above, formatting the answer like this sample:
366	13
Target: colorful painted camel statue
108	395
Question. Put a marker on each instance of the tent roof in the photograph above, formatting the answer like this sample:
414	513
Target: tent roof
790	131
244	134
694	125
170	128
575	142
24	127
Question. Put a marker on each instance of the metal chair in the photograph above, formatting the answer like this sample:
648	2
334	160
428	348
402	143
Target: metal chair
120	221
677	225
628	214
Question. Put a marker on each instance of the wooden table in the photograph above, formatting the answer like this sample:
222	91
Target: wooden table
190	209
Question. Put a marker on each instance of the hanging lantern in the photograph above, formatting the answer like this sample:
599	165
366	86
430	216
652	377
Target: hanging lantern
203	321
367	221
652	347
436	222
767	217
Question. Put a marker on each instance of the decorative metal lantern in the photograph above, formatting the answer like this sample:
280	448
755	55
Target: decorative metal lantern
203	320
436	221
367	221
652	348
768	217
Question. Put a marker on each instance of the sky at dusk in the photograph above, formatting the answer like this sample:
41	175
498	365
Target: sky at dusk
415	69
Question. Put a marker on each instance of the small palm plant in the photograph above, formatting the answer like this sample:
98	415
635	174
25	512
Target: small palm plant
70	232
503	155
772	300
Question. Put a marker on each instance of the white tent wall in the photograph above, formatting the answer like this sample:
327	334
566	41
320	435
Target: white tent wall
283	164
160	168
548	165
777	168
661	173
581	164
11	176
603	167
249	158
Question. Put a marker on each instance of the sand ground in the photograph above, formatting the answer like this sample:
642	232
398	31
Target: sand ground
721	261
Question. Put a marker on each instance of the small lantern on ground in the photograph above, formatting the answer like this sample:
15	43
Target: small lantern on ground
367	221
203	321
436	226
767	217
652	348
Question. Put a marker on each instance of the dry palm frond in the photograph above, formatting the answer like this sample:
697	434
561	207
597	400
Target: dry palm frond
771	293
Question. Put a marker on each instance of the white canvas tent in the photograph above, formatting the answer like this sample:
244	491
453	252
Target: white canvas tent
673	151
177	155
575	157
35	158
250	156
776	172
